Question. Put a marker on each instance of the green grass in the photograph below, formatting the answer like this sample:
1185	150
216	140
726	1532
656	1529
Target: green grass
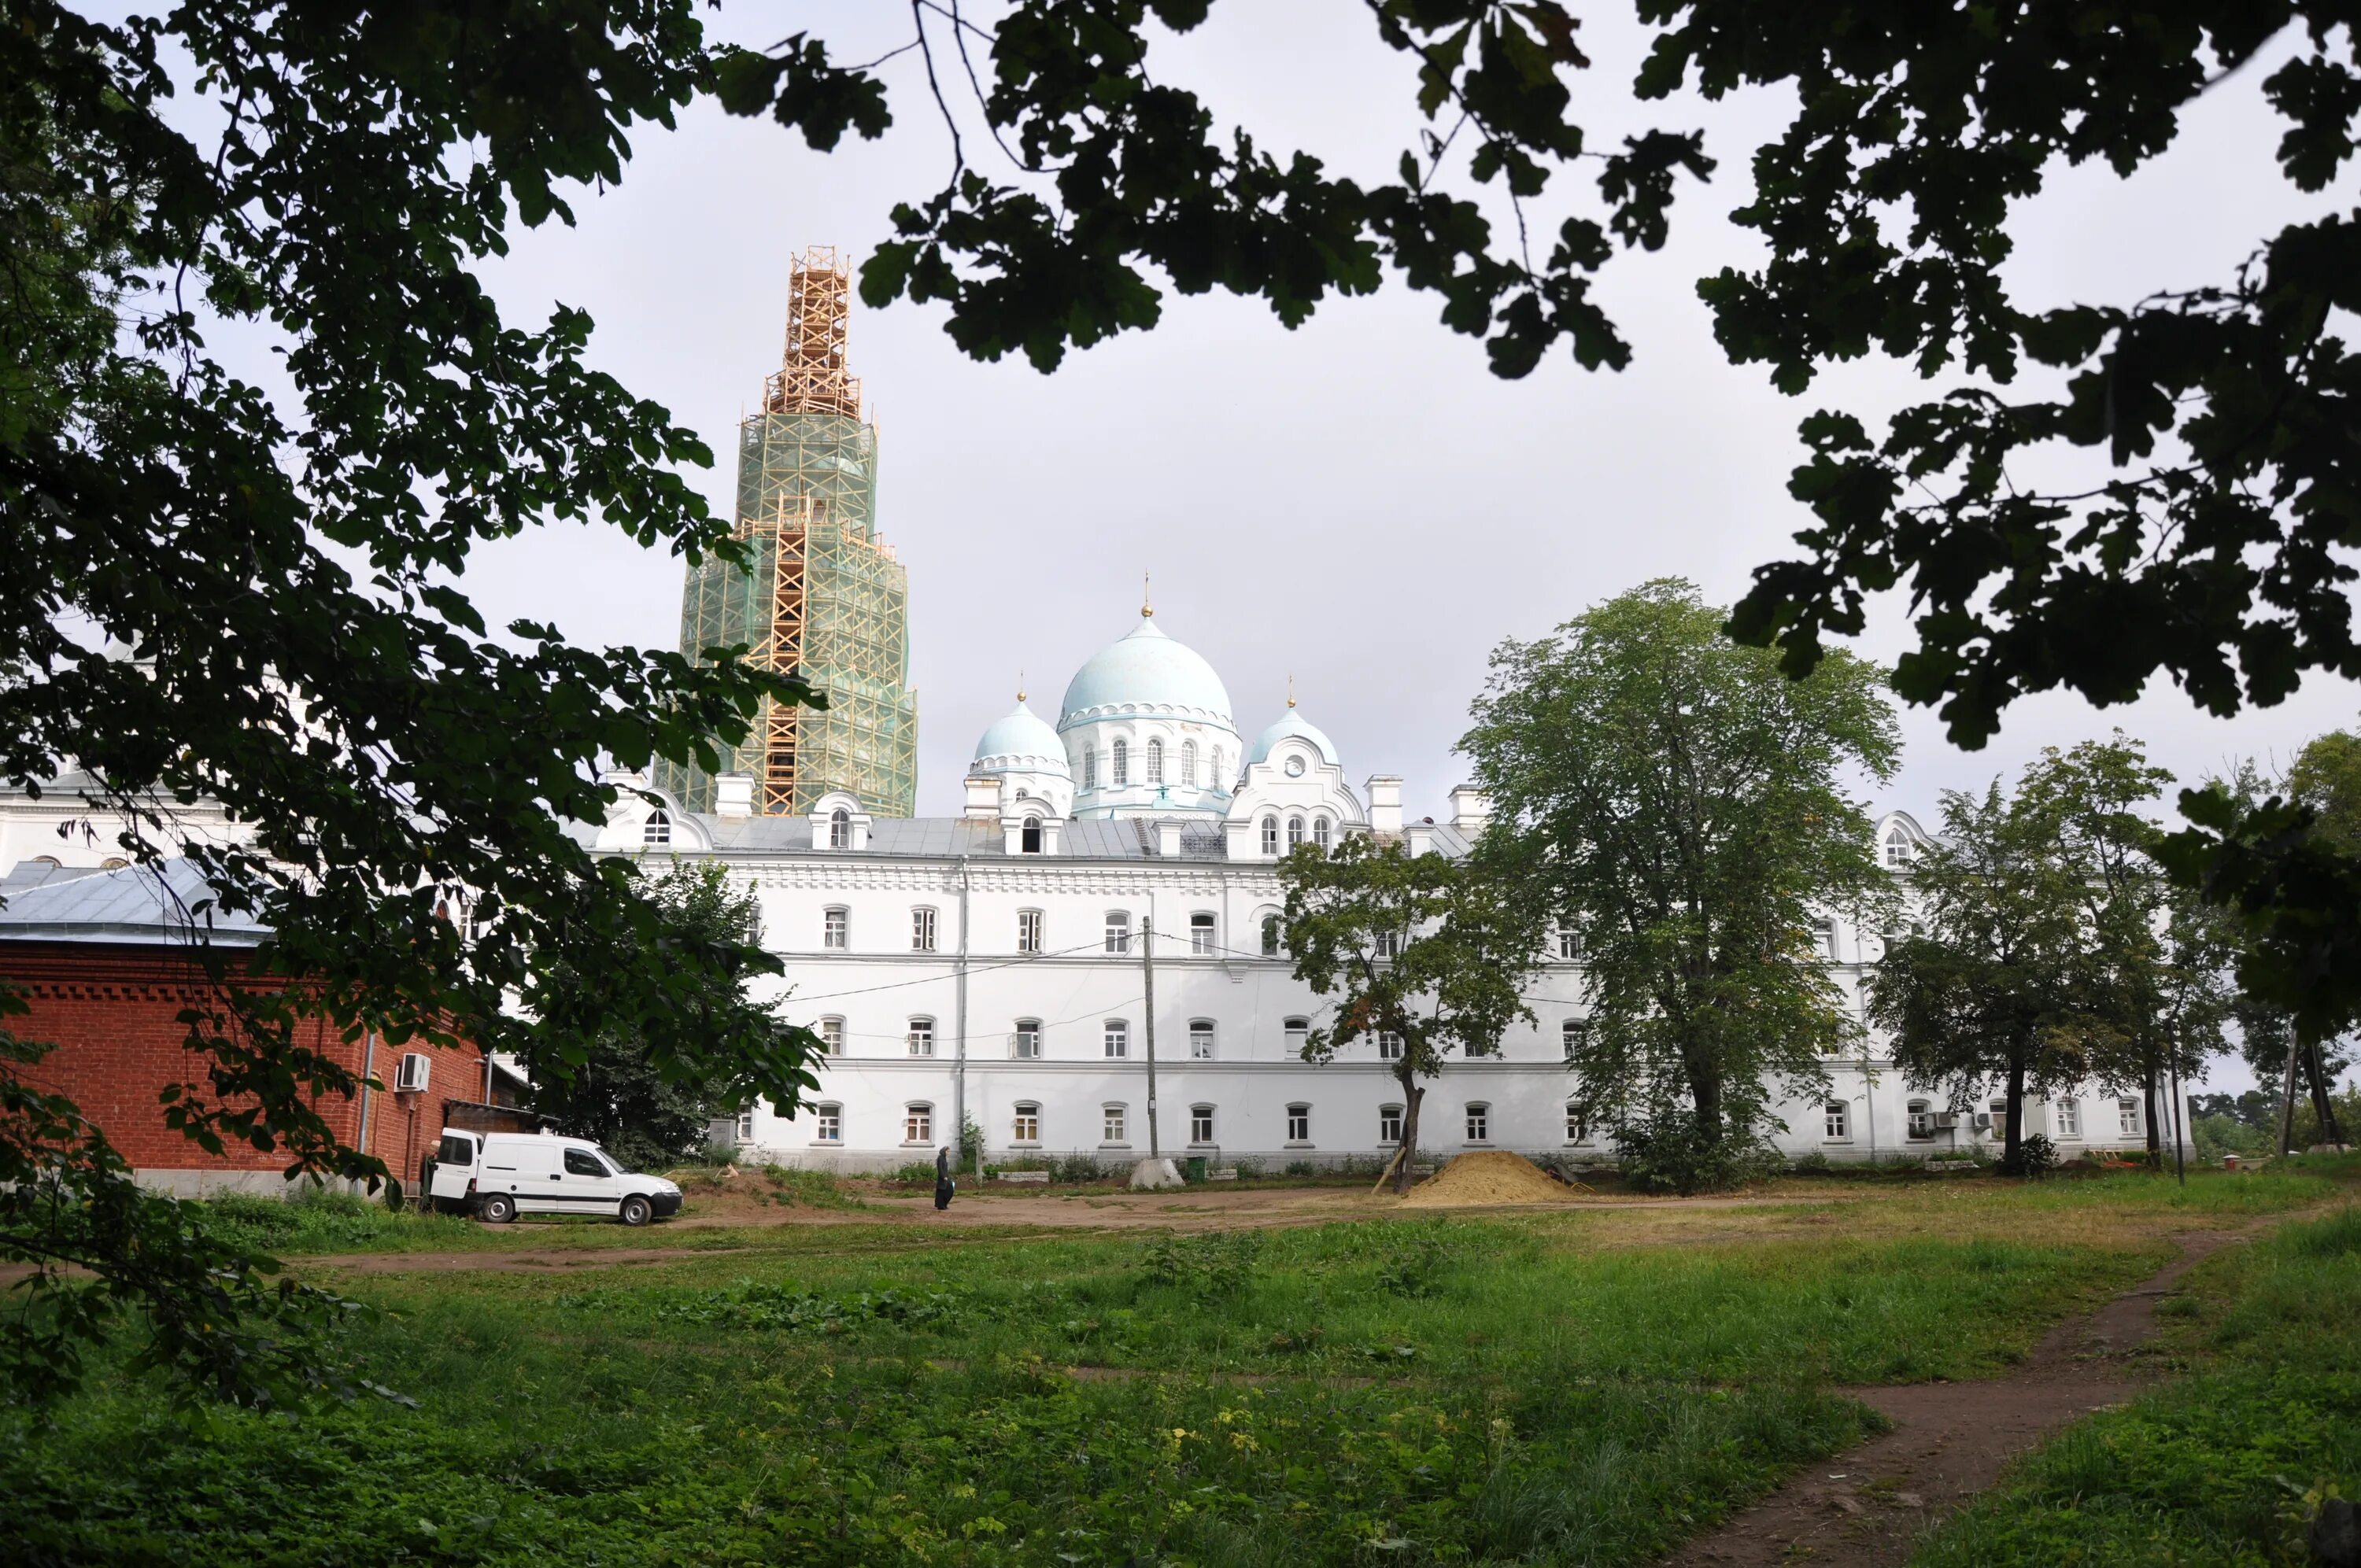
2216	1468
1439	1390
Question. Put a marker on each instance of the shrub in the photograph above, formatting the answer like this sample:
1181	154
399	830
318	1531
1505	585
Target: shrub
1078	1168
2036	1157
1215	1264
1668	1154
1249	1170
1810	1163
1302	1168
920	1171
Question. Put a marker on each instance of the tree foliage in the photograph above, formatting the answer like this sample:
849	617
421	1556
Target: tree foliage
1681	804
1422	948
280	566
615	1091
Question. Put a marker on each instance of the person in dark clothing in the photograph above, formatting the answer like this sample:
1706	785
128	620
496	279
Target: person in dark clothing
944	1185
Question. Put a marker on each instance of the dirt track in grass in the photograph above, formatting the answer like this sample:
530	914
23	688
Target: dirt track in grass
1867	1507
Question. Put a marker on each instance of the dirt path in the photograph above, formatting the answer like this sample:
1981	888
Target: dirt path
1867	1507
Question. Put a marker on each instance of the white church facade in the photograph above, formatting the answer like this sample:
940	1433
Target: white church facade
999	966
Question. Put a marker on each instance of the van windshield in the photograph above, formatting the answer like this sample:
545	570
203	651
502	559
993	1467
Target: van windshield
617	1166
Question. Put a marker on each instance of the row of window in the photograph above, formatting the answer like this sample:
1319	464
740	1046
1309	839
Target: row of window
1115	932
1151	768
2066	1118
1115	1123
1115	1038
1321	831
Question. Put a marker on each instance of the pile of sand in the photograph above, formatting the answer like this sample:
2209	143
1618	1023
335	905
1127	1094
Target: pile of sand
1486	1179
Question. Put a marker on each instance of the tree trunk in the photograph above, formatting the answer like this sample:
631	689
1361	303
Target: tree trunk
1705	1093
2155	1124
2323	1106
2012	1147
1412	1093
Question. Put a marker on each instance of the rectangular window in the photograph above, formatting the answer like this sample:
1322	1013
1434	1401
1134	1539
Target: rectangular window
831	1035
1569	945
1577	1125
1299	1123
1922	1119
1200	1123
2069	1113
1201	935
1828	939
1574	1035
1390	1046
1836	1120
918	1125
1118	931
922	930
1118	1038
2127	1115
836	929
1025	1044
1091	769
1479	1123
922	1036
1028	1124
1299	1035
745	1131
1028	930
1389	1124
1111	1125
1201	1040
829	1127
1389	944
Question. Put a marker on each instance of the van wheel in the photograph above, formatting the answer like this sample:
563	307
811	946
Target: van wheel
637	1211
497	1208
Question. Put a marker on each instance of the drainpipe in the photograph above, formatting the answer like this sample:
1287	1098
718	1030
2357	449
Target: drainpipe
958	1069
368	1071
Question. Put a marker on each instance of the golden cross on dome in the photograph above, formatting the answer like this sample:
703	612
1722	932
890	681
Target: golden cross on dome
1020	686
1290	688
1146	608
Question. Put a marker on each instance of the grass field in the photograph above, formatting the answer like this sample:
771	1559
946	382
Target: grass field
1583	1387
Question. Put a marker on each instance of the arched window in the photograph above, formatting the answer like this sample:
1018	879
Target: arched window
1200	1123
1156	762
1116	1039
831	1037
1218	774
1294	832
1390	1045
1031	842
1189	764
1922	1119
1122	769
1114	1125
1118	931
658	830
839	829
1897	847
1320	831
1028	930
1298	1032
1201	1040
922	1036
1091	768
1479	1123
1574	1035
835	929
1201	935
1299	1123
827	1124
1836	1121
919	1122
1270	835
1270	936
1389	1124
1028	1125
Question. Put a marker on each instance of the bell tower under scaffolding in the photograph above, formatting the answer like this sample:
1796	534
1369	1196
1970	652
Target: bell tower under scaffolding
825	597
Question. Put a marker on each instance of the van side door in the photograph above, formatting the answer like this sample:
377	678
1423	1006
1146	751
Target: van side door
589	1187
455	1167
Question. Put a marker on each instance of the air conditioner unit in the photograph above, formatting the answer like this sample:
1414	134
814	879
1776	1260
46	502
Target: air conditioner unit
1945	1120
411	1079
1984	1120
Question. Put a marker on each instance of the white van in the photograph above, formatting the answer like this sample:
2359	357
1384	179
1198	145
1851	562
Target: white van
501	1175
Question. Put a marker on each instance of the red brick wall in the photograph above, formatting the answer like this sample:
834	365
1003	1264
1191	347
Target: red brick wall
110	1013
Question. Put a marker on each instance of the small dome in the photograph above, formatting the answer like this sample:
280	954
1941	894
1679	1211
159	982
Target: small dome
1292	727
1020	742
1145	673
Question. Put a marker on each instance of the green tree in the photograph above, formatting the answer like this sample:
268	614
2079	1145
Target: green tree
1422	953
282	569
1681	805
1987	986
611	1086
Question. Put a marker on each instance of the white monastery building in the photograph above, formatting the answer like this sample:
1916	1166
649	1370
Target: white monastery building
997	966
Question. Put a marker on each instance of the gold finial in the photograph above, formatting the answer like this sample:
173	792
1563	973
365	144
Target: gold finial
1146	608
1290	690
1020	686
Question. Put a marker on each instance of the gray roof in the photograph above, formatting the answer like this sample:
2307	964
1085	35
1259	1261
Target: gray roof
155	903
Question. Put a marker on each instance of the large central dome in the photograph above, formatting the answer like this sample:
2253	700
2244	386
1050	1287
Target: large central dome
1146	674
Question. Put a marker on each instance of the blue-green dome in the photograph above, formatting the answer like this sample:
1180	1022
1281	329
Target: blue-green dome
1145	673
1020	741
1294	726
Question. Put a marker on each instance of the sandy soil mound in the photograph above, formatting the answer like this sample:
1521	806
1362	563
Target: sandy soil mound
1492	1177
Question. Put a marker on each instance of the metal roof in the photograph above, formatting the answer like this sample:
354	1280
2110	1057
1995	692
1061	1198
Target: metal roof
165	902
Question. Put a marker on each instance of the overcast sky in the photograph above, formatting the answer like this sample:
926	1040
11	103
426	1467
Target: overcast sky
1358	502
